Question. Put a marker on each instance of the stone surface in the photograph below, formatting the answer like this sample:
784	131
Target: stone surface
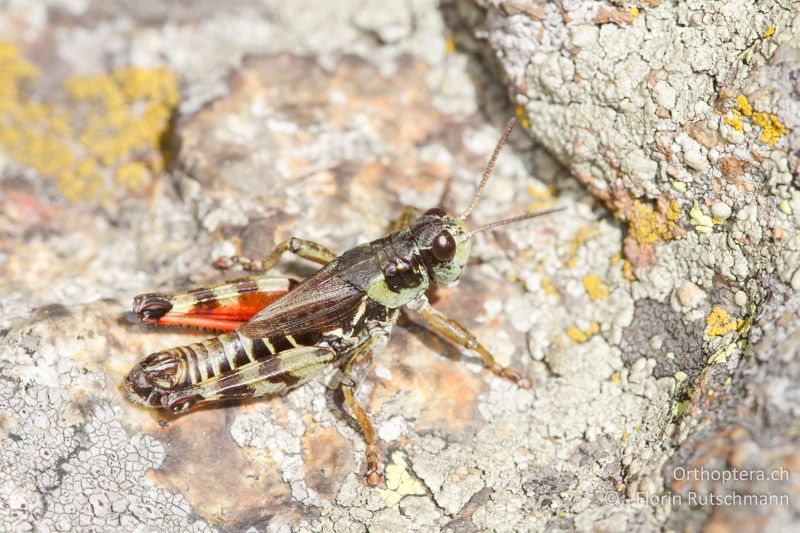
146	139
681	117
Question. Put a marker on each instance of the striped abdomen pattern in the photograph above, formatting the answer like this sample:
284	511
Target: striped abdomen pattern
228	366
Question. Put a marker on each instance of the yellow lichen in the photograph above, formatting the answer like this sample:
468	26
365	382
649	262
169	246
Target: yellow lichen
734	119
399	482
543	197
771	128
547	286
680	377
769	32
627	270
584	234
646	227
673	211
678	185
744	105
634	12
616	378
702	223
449	45
680	407
719	322
594	287
722	354
523	119
539	192
105	135
580	336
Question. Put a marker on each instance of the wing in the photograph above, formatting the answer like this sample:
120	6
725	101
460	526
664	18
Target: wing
321	303
223	307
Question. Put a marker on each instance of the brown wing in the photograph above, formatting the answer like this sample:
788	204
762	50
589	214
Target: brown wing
321	303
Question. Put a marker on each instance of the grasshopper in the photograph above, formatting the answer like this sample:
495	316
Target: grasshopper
278	333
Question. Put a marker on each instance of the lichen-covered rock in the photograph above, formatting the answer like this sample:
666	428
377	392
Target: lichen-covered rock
681	117
661	343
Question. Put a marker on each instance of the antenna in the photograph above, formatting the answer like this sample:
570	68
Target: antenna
518	218
489	167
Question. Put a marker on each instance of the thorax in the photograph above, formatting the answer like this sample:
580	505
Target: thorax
389	270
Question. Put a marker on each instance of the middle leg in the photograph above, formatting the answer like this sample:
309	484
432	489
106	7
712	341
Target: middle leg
309	250
407	216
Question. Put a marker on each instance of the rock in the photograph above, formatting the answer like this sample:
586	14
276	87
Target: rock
721	210
323	122
690	295
649	83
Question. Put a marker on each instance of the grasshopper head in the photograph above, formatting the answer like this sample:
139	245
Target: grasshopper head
444	240
444	243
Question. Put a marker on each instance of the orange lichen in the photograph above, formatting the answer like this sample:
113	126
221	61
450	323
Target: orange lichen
107	135
595	288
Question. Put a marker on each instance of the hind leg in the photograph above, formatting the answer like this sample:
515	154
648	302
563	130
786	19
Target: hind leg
355	370
221	307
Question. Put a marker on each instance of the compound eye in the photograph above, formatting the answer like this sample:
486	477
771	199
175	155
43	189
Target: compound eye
437	212
444	246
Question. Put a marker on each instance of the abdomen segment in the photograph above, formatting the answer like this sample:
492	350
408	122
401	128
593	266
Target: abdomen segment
230	366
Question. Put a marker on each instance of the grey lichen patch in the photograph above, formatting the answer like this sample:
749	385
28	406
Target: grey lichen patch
445	471
657	332
69	460
259	430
